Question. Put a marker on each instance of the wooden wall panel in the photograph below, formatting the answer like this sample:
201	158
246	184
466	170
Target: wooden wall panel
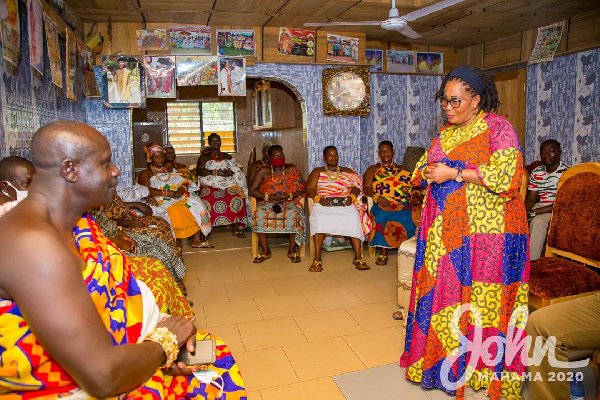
471	55
503	51
584	32
271	44
322	46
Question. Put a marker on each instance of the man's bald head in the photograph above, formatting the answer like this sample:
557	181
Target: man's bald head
60	140
9	165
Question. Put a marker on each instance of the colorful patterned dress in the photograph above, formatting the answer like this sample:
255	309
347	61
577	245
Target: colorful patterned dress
391	228
472	250
27	370
291	217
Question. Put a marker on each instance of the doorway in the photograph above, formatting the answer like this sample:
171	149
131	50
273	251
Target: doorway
512	94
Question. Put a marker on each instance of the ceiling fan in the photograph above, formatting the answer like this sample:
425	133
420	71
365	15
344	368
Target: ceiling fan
394	21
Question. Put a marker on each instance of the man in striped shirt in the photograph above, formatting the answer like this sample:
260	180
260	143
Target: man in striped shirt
541	193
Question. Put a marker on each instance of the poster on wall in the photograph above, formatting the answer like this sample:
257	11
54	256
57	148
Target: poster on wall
547	41
86	63
374	58
235	42
11	33
53	51
154	39
232	76
71	63
196	70
122	82
430	62
190	40
342	48
160	76
400	61
296	42
35	26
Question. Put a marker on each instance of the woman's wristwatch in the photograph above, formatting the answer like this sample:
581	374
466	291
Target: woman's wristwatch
459	177
532	214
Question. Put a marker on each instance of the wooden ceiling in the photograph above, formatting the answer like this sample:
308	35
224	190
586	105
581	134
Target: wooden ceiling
466	23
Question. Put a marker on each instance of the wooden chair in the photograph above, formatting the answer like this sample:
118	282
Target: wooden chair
302	250
573	238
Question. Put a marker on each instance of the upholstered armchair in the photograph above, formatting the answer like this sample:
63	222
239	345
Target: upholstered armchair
571	266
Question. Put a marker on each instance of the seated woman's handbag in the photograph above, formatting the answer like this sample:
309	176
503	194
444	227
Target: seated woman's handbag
337	201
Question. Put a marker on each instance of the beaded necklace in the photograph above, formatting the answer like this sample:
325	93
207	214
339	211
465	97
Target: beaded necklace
162	170
282	174
337	173
215	158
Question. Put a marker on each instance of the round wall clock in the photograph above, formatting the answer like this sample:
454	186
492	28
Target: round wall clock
346	91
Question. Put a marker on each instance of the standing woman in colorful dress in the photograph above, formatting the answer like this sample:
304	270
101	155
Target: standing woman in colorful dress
472	247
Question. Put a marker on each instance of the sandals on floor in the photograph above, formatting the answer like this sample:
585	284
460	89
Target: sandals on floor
360	264
398	315
261	257
203	245
239	234
294	257
382	260
316	266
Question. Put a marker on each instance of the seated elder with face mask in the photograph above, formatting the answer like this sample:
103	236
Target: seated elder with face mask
15	178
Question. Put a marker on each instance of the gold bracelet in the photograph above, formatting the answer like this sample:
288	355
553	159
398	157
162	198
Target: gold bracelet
317	198
266	196
291	196
214	172
165	192
353	197
168	341
375	198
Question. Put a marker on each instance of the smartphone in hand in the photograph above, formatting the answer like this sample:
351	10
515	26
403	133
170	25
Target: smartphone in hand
205	353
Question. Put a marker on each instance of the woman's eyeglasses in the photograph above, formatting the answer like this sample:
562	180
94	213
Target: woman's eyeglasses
454	102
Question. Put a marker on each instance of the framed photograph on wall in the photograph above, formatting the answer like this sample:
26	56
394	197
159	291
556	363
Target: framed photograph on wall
432	63
296	42
71	63
196	70
160	76
154	39
342	48
53	51
35	26
374	57
190	40
400	61
11	33
232	76
122	82
236	42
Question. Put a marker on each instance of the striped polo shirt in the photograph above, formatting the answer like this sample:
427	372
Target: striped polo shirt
546	183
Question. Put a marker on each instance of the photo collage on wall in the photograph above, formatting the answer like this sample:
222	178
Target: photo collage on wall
122	85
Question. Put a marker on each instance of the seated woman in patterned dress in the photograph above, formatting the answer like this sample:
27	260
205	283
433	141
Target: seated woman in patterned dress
391	215
279	190
338	208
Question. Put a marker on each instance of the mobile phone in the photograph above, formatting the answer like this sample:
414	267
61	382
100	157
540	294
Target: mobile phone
205	353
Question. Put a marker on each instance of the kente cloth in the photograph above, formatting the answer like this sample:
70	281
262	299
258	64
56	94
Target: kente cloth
339	185
146	245
155	226
231	186
472	252
291	217
391	228
27	370
193	216
168	296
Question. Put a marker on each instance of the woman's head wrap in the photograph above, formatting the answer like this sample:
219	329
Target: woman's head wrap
469	76
150	149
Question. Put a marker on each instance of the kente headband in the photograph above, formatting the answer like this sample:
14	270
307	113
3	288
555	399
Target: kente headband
469	76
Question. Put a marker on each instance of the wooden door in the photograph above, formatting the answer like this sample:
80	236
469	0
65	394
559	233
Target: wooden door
511	91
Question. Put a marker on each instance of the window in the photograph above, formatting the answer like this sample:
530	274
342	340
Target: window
189	123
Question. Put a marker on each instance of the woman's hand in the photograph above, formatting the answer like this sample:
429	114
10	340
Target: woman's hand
151	201
226	172
180	192
136	223
348	201
439	173
190	344
125	243
143	208
383	203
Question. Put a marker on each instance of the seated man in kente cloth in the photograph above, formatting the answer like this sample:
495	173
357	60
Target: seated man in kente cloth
174	192
279	190
223	187
391	215
97	328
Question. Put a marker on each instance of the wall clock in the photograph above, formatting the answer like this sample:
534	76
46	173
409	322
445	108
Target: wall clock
346	91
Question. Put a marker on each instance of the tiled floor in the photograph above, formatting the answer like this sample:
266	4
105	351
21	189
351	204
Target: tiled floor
292	330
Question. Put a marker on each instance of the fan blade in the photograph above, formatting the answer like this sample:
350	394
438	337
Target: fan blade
409	32
411	16
342	23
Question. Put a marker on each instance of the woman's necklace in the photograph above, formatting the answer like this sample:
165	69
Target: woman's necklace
162	170
389	167
281	177
332	178
220	158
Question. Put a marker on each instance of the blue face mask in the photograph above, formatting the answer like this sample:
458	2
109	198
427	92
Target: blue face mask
21	194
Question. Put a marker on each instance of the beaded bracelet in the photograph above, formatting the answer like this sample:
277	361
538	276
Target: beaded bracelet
214	172
168	341
353	197
165	192
375	198
317	198
291	196
266	196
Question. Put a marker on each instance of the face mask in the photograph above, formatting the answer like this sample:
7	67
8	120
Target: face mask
21	194
278	161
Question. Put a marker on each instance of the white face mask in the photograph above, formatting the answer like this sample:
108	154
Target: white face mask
21	194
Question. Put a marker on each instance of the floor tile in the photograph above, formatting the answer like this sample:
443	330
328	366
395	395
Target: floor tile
269	333
331	299
377	348
284	306
231	313
208	294
265	369
375	316
318	389
250	290
327	324
255	395
322	358
231	336
220	277
295	284
200	320
269	269
337	279
375	292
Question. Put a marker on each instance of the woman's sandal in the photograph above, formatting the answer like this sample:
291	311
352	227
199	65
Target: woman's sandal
203	245
294	257
316	266
398	315
239	234
382	260
261	257
360	264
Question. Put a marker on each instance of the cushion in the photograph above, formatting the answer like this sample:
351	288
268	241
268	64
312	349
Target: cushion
553	277
575	217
